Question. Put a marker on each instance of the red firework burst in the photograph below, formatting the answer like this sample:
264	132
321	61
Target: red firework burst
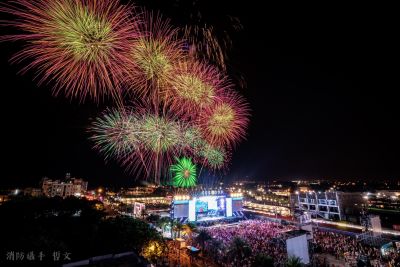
225	122
194	86
82	46
153	55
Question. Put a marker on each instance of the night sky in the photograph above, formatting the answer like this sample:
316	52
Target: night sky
321	82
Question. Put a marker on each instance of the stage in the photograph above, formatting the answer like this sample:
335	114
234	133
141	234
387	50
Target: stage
207	206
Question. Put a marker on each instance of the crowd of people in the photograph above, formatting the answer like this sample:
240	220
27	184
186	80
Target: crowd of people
262	237
349	249
220	222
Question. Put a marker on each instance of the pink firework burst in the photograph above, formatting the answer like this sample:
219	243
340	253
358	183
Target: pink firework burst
195	85
81	46
224	123
153	56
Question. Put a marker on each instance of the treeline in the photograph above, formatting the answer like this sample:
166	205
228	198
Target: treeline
74	226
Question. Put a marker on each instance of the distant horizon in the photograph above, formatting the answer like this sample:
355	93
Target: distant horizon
36	182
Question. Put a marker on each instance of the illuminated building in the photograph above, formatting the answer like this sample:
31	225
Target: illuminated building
138	191
267	209
147	200
331	204
69	187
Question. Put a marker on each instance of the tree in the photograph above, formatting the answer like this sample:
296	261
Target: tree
178	227
202	238
214	248
153	218
188	229
124	234
163	222
293	261
239	250
172	223
154	250
72	225
263	260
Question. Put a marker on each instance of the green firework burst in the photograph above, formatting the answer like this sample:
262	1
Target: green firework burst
215	156
113	134
159	134
191	137
184	173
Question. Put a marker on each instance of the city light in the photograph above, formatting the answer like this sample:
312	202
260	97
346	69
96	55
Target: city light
181	197
236	194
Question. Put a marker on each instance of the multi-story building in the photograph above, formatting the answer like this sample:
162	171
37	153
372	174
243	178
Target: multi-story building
138	191
331	204
65	188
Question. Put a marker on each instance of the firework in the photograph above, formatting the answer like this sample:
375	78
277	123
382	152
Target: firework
139	140
193	144
159	134
209	39
159	142
191	138
184	173
212	156
209	43
114	135
207	31
153	55
93	49
194	86
225	122
81	46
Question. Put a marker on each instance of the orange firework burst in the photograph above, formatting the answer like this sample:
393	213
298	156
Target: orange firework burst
81	46
224	123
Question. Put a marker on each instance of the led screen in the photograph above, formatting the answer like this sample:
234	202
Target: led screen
229	207
192	210
181	210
